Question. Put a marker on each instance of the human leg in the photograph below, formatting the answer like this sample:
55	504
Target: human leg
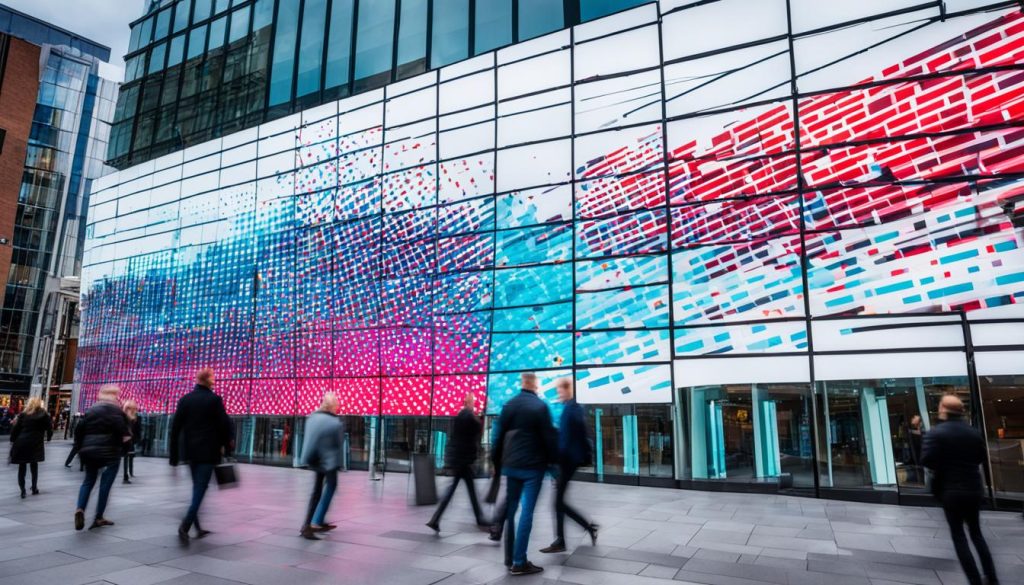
513	492
531	490
955	518
443	504
83	495
201	474
568	472
331	478
126	465
21	477
972	518
106	481
34	470
314	499
468	479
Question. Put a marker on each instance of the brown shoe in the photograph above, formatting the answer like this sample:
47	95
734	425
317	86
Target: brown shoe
555	547
322	527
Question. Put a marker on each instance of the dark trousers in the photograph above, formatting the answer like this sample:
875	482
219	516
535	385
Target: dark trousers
201	474
129	465
106	481
963	508
71	456
463	473
562	509
322	477
21	474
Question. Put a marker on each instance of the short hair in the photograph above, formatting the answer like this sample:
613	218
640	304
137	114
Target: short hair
329	403
528	377
204	376
952	404
109	391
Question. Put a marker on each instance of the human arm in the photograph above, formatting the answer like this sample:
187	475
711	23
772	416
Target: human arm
16	429
176	426
498	440
49	428
930	451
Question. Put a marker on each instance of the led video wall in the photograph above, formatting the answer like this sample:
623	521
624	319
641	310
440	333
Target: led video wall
601	203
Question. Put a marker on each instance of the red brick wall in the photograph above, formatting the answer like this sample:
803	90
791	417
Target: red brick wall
18	90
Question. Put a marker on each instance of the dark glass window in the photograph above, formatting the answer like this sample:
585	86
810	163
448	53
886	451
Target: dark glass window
536	18
222	5
339	44
263	14
218	29
493	27
450	38
311	51
196	41
374	36
239	24
163	24
181	15
591	9
412	38
134	42
146	34
156	58
202	11
282	69
177	51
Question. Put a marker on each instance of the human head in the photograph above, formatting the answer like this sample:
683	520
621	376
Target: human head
204	377
35	403
565	389
528	381
131	408
109	393
329	403
950	407
915	421
469	400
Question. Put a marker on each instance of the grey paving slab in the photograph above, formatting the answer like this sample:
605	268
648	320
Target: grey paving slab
648	536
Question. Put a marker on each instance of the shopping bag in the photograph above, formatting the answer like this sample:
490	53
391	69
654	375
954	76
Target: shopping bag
226	475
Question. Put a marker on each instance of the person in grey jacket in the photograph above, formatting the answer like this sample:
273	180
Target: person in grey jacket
322	452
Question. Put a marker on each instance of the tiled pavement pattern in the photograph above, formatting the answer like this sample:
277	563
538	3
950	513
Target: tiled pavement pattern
649	536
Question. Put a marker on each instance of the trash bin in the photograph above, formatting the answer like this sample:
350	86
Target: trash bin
423	470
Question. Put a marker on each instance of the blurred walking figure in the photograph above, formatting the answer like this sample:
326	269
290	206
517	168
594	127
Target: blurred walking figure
460	458
955	451
30	429
574	451
526	444
131	410
100	441
322	452
75	421
200	435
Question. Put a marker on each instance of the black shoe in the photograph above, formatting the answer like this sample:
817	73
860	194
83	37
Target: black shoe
434	526
79	519
100	523
183	534
555	547
527	568
35	491
308	533
495	534
126	480
23	494
592	531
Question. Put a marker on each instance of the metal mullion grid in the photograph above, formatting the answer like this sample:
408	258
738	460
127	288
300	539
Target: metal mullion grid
380	268
573	181
434	278
494	231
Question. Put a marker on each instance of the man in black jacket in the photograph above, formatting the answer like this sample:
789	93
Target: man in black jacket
202	428
574	450
526	445
100	439
954	451
461	455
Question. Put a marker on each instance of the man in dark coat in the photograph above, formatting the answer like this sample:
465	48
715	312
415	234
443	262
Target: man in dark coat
201	428
574	451
954	451
526	445
100	438
460	457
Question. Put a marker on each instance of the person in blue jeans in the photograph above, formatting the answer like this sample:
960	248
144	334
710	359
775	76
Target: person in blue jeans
322	451
100	440
526	445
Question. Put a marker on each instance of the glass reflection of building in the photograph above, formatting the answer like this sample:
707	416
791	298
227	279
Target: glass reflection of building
763	252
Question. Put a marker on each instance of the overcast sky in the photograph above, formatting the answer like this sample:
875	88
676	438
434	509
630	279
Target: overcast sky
103	21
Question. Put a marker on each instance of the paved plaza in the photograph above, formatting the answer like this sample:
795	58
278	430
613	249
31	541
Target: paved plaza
648	536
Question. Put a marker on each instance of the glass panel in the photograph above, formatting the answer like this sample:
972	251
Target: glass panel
283	62
156	58
412	38
163	25
196	42
404	436
873	428
311	51
239	24
591	9
450	37
181	15
536	18
218	29
339	44
493	26
1002	403
222	5
374	43
263	14
654	424
203	9
177	51
133	43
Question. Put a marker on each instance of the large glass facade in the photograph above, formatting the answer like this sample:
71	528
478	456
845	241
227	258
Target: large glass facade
763	254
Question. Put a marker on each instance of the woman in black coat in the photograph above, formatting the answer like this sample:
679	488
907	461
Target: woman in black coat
31	428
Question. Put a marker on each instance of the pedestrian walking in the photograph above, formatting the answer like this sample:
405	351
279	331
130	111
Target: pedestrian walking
131	410
460	458
100	441
31	428
322	452
201	436
75	420
955	451
526	445
574	451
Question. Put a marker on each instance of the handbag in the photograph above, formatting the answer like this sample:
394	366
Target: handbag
226	475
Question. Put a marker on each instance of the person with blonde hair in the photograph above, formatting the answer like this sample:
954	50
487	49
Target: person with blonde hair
131	410
30	429
322	452
100	440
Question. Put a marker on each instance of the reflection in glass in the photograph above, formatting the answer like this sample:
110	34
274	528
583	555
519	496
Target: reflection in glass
412	38
283	60
450	38
339	44
312	47
374	44
536	18
1002	402
493	27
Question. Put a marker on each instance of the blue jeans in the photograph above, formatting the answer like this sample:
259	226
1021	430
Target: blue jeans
106	481
521	484
201	474
320	499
